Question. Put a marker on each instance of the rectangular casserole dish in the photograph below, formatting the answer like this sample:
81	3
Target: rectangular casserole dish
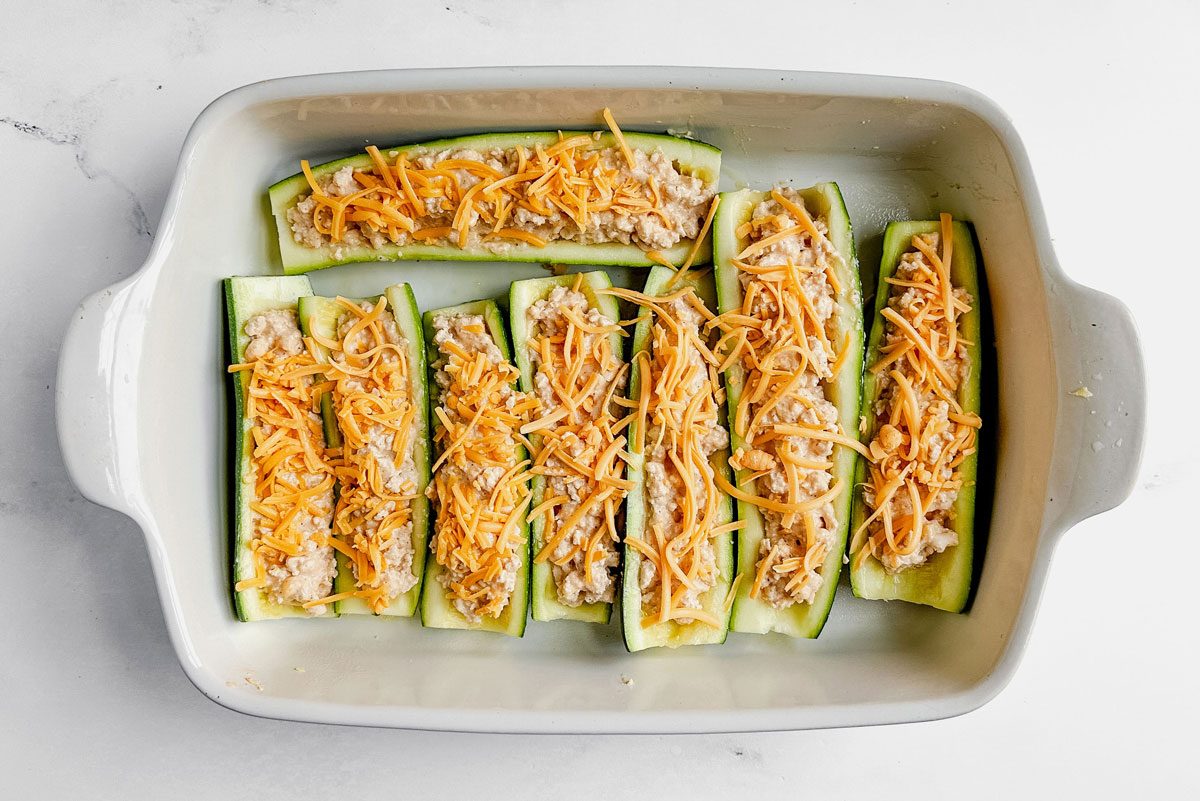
143	416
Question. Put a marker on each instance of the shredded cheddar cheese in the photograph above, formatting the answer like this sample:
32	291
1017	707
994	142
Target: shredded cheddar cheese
372	400
704	229
577	442
921	433
677	429
480	487
573	189
782	339
291	498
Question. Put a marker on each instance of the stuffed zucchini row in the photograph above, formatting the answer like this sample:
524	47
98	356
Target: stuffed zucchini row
787	279
578	198
477	576
283	563
914	518
567	343
679	559
376	422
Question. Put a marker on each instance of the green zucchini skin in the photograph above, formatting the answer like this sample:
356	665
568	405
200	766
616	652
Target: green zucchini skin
244	299
670	634
320	315
436	611
944	580
845	392
694	158
523	294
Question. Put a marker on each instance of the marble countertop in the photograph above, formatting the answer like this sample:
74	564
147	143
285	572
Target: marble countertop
95	99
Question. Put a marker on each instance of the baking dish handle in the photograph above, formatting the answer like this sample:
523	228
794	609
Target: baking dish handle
96	396
1102	383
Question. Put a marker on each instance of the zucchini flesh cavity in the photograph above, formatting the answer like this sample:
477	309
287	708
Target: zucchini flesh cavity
437	611
844	391
670	634
320	315
692	158
246	298
944	580
544	598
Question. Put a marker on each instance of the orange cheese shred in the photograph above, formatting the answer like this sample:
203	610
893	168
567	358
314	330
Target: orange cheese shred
468	202
783	349
574	354
476	532
677	395
370	391
287	442
919	365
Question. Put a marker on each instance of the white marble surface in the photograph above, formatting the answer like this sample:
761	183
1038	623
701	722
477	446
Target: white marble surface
95	99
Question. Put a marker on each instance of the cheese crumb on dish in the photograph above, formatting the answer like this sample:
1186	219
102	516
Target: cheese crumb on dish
922	433
376	467
292	496
577	371
480	487
783	336
573	190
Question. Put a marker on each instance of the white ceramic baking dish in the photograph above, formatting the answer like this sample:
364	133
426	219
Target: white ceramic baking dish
143	418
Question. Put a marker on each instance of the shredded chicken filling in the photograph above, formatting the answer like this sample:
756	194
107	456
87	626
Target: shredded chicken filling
573	190
784	338
922	435
481	489
376	468
576	375
678	430
292	502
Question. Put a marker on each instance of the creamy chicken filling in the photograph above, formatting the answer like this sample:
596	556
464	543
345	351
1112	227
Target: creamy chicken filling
789	349
480	487
682	433
292	508
577	372
922	434
372	396
496	198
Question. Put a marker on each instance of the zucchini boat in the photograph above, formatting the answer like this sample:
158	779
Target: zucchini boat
283	482
679	555
567	343
924	368
478	573
376	417
785	264
577	198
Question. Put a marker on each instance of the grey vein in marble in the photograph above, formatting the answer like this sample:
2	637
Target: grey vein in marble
72	141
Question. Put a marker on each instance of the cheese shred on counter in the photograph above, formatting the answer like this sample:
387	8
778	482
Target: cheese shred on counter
480	488
292	500
579	450
678	431
376	468
572	190
922	434
783	337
